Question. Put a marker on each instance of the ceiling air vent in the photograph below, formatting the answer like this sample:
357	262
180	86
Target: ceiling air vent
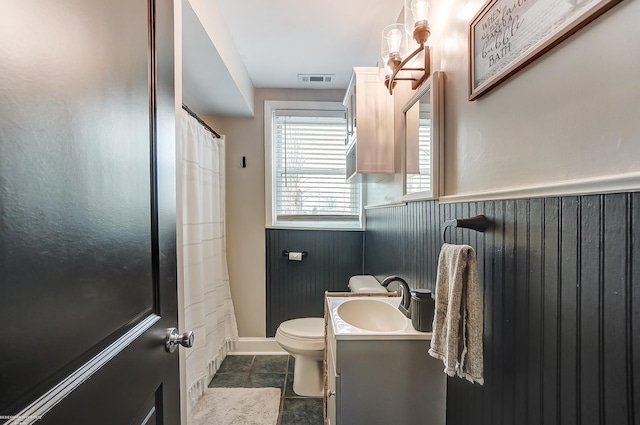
315	78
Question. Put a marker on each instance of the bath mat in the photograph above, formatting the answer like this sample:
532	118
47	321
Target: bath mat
237	406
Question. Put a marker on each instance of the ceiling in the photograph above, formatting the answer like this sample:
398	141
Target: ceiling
278	39
231	47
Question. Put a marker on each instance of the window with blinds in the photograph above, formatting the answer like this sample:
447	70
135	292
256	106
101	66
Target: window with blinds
308	170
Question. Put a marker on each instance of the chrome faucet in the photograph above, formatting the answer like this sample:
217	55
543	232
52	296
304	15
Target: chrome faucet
406	294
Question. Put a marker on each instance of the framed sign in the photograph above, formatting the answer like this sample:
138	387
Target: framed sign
507	35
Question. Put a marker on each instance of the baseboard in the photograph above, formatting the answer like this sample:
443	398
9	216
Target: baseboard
253	346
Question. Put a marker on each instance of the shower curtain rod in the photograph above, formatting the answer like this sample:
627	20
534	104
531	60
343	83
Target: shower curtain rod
204	124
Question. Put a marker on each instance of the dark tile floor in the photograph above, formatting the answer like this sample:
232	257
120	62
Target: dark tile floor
270	371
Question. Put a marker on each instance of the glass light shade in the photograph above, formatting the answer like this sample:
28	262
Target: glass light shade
415	11
419	8
394	42
394	39
383	67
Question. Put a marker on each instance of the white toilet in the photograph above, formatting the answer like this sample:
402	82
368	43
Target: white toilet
304	340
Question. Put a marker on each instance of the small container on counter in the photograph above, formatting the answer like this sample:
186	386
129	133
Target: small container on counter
422	309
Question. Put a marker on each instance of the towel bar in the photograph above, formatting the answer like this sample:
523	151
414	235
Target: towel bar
478	223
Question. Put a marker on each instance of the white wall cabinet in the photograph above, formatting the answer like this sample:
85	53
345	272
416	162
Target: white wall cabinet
382	381
370	139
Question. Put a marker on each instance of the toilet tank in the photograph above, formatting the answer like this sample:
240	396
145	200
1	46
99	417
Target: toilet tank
365	283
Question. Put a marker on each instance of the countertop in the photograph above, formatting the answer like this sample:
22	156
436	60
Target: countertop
343	330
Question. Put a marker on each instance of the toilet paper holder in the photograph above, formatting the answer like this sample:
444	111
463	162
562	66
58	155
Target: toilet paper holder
286	254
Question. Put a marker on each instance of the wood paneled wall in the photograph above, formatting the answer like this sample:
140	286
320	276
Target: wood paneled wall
296	288
560	281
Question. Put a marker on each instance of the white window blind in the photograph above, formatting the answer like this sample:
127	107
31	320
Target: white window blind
422	182
309	168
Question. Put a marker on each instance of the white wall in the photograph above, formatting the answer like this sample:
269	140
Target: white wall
245	205
571	114
220	56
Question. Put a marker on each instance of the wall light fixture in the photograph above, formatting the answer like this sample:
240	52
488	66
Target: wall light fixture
394	45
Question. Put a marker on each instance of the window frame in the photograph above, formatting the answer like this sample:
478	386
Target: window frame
270	106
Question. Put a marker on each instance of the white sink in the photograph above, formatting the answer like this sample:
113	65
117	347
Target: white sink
372	315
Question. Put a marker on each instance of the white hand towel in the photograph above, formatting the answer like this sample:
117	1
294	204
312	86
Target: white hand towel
457	322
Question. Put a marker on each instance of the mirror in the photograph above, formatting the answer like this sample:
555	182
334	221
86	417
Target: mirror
423	140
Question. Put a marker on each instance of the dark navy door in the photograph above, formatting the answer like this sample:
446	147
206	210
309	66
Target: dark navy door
87	212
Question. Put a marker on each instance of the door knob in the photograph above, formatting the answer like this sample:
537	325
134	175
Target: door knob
173	338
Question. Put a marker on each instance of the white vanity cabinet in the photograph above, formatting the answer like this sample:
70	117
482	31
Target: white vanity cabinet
332	379
369	112
378	378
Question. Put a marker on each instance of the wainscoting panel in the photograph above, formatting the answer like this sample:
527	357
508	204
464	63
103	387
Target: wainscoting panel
296	288
561	316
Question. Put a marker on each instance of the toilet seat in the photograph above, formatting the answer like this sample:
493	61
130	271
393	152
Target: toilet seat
301	335
304	329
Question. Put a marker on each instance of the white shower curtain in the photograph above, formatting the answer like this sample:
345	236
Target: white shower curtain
207	297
